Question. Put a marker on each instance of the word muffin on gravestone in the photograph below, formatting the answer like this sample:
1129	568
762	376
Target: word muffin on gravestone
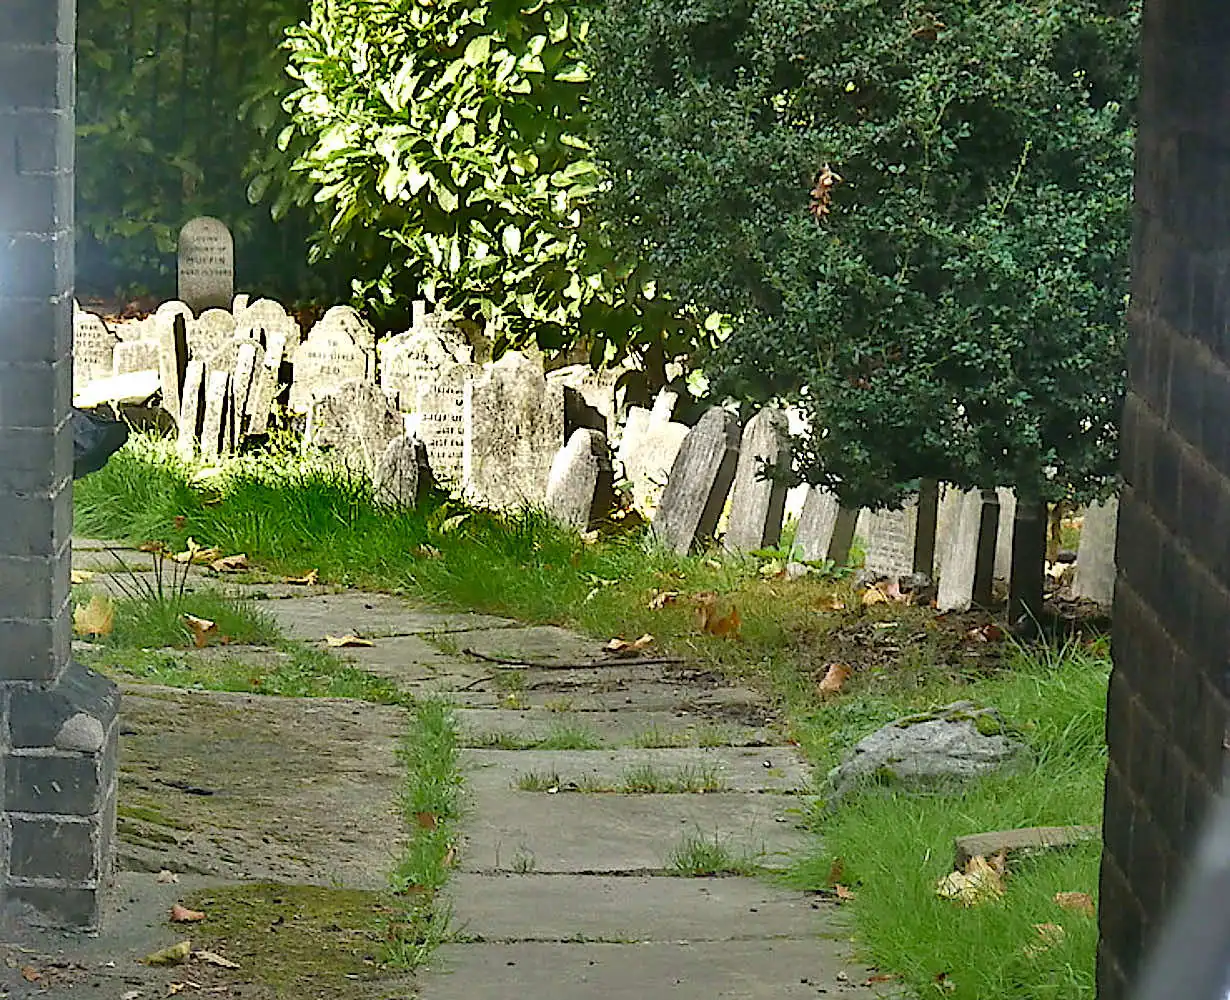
206	264
699	482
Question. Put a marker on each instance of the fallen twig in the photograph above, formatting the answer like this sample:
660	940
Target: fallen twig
610	661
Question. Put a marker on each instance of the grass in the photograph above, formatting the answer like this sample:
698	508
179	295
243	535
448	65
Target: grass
561	736
697	856
645	779
538	781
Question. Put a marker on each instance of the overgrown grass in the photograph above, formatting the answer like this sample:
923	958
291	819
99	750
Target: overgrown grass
697	856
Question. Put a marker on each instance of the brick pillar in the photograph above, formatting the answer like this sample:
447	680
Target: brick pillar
57	720
1167	707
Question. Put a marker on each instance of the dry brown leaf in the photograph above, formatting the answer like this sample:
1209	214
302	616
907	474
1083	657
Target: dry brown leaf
624	648
81	576
30	974
179	522
151	547
95	618
344	641
725	626
833	604
836	675
201	629
177	954
166	877
307	580
183	915
874	595
197	555
661	598
985	633
426	552
450	857
230	564
844	893
427	820
977	884
880	977
1078	902
836	870
212	958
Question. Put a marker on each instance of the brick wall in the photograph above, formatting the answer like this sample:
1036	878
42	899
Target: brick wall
1166	711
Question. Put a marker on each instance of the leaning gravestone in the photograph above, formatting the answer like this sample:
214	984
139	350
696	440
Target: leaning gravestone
599	390
206	264
248	358
438	420
699	482
266	383
581	487
172	361
958	558
209	332
191	409
355	425
1003	539
514	425
1095	556
93	348
825	529
758	504
648	448
214	424
329	358
889	536
403	475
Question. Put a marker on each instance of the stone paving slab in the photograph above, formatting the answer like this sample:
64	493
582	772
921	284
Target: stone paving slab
535	644
733	704
116	560
479	725
630	908
577	834
803	969
370	616
733	769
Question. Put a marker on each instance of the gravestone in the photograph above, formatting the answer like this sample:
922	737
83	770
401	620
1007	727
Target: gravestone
208	332
403	474
247	359
598	389
581	486
1094	579
825	529
757	504
329	358
191	410
172	361
413	359
889	537
266	383
1003	540
514	425
172	308
93	348
648	448
958	558
135	356
263	318
213	425
354	424
206	264
438	420
699	482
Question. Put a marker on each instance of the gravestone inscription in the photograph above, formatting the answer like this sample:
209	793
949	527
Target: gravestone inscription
354	424
438	421
206	264
329	358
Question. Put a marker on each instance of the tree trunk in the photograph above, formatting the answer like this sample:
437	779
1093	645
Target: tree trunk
988	536
1028	564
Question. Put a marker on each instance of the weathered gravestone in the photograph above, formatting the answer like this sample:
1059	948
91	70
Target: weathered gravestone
403	474
825	529
1094	579
93	348
757	503
172	361
266	383
135	356
191	410
172	308
332	355
961	513
206	264
581	487
264	318
248	358
214	430
889	537
414	358
648	448
1003	539
438	420
598	389
699	482
514	425
208	332
354	424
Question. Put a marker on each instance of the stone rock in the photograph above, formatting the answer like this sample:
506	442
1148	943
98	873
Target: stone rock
206	264
597	389
757	504
699	482
355	424
953	744
648	448
403	474
1025	841
333	354
581	487
1095	556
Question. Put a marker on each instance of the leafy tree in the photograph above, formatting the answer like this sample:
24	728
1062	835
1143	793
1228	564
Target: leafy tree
916	215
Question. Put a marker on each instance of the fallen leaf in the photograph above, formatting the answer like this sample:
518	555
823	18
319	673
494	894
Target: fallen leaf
179	522
177	954
834	604
166	877
836	871
95	618
426	552
30	974
880	977
773	568
81	576
1050	933
230	564
886	592
977	884
307	580
624	648
985	633
450	857
151	547
183	915
211	958
426	820
195	554
173	989
661	598
843	892
1079	902
874	595
344	641
201	629
836	675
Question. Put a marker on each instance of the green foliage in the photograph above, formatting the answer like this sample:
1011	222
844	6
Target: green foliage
951	304
445	144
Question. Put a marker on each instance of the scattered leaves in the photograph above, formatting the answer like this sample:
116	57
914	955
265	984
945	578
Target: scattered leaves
30	974
95	618
196	555
836	675
985	633
212	958
1078	902
708	619
346	641
230	564
885	592
624	648
308	579
978	883
661	598
201	629
1051	935
177	954
822	192
844	893
183	915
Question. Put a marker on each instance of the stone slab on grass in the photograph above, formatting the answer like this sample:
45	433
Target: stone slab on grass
578	834
632	908
370	616
260	788
732	769
114	560
416	664
739	970
640	696
481	726
535	644
1034	838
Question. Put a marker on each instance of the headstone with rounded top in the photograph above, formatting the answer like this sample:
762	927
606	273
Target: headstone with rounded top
581	486
208	332
329	358
93	348
414	358
699	482
206	264
354	424
647	450
758	501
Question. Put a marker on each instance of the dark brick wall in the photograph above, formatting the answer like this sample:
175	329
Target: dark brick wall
1167	707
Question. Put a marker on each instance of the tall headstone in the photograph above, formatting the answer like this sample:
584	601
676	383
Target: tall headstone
581	487
93	348
816	522
329	358
354	424
403	475
1094	579
757	503
438	420
266	383
206	264
191	410
59	724
172	361
699	482
959	558
648	448
213	424
514	425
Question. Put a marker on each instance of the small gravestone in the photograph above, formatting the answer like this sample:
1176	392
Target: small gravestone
248	357
1094	579
581	486
191	409
329	358
265	316
206	264
958	560
172	361
889	537
348	320
174	308
514	425
266	383
439	421
93	348
135	356
412	359
647	451
239	304
213	425
699	482
209	332
758	504
354	425
1003	540
403	474
815	528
